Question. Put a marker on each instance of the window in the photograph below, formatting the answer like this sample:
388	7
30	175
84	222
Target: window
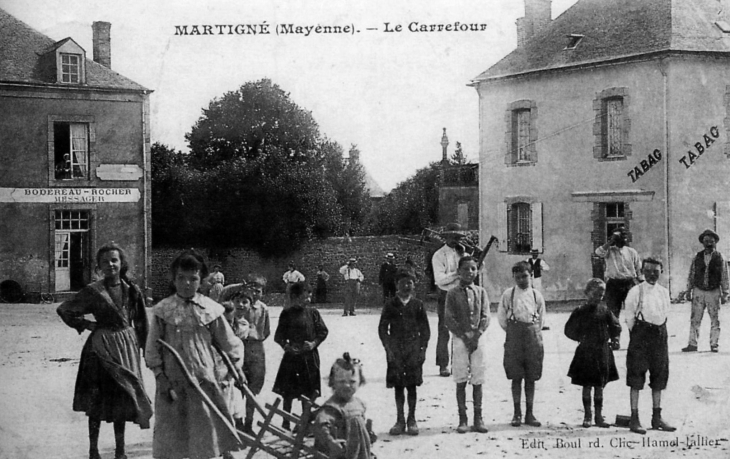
70	68
521	133
520	225
573	40
71	150
612	125
72	220
614	217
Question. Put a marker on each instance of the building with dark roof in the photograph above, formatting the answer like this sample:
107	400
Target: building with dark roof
75	153
617	112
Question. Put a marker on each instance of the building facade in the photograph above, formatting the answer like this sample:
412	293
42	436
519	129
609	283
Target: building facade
615	113
75	154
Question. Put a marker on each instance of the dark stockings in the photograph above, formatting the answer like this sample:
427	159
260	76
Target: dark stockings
95	427
412	397
400	401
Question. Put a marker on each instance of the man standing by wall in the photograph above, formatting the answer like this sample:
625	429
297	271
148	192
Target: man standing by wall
386	278
538	265
623	268
445	263
708	284
291	277
353	278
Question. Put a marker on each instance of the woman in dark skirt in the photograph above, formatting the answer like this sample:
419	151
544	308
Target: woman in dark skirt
300	331
109	384
593	365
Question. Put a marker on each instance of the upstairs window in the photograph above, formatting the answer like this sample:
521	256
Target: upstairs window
70	68
71	150
612	125
521	133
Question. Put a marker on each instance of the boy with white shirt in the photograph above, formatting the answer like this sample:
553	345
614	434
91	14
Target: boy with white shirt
521	314
647	306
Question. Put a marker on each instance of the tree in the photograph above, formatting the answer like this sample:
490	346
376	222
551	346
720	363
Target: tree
459	157
258	175
243	122
410	206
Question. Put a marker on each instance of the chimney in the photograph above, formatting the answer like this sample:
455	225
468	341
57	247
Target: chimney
538	14
102	43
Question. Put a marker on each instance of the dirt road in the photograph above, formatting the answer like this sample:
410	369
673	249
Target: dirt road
39	360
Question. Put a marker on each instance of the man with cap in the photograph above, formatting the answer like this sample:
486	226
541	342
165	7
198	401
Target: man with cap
623	271
445	264
538	265
386	278
291	277
708	284
353	278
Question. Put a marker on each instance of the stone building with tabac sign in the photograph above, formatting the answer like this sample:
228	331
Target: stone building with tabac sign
75	154
616	112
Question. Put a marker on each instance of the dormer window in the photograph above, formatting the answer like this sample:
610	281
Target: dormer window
70	68
573	40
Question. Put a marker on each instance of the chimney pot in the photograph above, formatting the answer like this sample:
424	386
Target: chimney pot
102	43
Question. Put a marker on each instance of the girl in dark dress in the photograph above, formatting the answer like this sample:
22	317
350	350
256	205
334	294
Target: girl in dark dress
109	384
593	365
300	331
404	332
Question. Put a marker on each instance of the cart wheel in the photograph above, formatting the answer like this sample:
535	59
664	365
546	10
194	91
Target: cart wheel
10	291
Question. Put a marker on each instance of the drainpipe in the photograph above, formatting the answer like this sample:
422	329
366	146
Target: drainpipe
664	68
145	191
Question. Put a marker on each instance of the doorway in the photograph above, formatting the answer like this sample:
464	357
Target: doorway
72	261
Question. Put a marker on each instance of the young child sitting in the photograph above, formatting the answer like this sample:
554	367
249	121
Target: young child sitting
404	332
593	365
521	314
340	427
467	318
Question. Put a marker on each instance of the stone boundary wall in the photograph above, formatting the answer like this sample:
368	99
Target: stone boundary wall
332	253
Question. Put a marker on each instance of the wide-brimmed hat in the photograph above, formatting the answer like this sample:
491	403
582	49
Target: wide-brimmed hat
534	251
352	260
709	232
453	229
389	255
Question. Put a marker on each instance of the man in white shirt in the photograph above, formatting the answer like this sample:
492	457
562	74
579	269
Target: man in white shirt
353	278
445	263
291	277
647	306
623	269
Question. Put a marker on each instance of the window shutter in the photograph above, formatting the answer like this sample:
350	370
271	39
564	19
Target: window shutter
722	226
502	227
536	210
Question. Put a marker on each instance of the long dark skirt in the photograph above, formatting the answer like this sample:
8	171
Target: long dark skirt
109	383
593	365
406	368
299	375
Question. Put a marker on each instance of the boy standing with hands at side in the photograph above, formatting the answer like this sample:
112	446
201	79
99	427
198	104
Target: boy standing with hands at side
467	318
521	314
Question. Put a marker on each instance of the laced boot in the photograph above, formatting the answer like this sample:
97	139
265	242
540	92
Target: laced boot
600	422
478	421
411	424
461	402
517	418
635	424
587	412
657	423
400	424
530	418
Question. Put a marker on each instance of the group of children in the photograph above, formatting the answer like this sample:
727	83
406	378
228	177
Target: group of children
205	333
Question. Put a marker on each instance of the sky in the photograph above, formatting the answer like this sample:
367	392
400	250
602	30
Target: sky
391	93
